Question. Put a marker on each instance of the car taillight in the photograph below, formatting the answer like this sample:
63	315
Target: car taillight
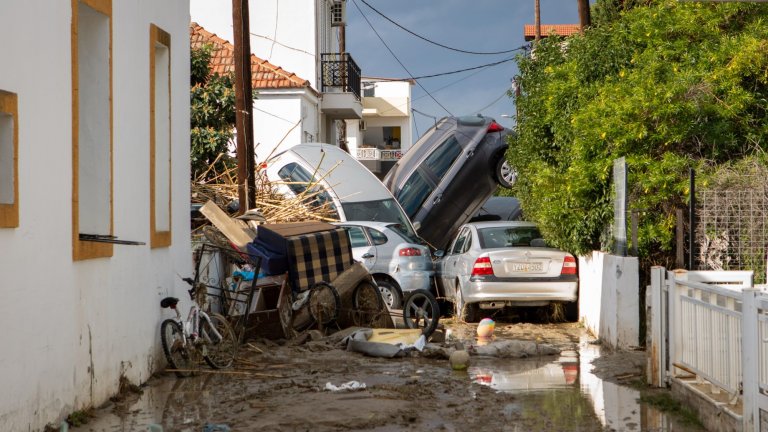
495	127
482	267
410	252
569	265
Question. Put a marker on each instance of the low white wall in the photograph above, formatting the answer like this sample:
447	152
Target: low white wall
609	299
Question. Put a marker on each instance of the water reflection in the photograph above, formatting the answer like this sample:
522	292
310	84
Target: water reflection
566	387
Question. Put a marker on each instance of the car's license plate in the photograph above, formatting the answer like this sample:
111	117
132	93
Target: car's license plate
527	267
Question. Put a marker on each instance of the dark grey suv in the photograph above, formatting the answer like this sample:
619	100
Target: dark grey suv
449	173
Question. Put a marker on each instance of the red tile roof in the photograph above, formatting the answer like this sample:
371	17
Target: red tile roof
529	30
264	74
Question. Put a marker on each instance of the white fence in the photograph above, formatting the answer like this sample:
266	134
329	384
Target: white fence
711	324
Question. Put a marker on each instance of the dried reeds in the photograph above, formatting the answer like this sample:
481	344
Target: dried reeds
221	188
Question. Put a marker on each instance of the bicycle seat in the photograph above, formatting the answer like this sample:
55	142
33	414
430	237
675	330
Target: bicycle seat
169	302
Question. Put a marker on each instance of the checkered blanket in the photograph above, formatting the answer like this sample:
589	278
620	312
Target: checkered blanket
318	257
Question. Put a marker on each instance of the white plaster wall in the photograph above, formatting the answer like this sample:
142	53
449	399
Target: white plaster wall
282	119
609	299
283	32
74	327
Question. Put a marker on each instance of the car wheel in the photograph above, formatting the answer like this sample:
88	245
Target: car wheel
390	293
464	312
505	174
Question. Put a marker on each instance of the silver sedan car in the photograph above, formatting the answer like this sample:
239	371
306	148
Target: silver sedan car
399	261
490	265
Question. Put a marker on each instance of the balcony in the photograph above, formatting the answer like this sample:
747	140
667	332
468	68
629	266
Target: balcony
340	87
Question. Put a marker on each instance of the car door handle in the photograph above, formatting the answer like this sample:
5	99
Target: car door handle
368	255
437	199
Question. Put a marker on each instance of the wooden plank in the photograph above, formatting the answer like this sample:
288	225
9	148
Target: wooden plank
235	230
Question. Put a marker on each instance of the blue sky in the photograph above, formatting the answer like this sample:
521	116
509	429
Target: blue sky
479	25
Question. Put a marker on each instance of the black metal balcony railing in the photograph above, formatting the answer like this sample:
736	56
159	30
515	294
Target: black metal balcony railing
340	72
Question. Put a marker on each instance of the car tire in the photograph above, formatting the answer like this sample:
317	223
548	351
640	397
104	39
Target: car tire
505	174
390	293
463	311
572	311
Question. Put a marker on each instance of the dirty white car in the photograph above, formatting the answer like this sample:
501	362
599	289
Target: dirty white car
399	261
491	265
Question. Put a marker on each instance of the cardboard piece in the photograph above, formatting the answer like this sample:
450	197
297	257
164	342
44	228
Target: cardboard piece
237	231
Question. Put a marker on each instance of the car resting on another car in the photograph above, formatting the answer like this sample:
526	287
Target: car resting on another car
399	261
446	176
492	265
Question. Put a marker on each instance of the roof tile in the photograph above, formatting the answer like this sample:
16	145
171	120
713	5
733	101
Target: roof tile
529	30
263	73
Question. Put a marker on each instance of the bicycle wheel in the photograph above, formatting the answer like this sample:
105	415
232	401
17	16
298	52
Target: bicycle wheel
421	311
324	303
368	304
176	353
219	352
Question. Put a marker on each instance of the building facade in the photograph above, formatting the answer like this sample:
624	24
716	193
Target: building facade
94	197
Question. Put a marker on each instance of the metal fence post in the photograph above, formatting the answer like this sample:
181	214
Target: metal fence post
750	337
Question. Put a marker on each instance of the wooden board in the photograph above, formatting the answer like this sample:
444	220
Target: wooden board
235	230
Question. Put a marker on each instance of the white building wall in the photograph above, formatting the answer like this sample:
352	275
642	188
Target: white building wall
283	119
73	328
283	32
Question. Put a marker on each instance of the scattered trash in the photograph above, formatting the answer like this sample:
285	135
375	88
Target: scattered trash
387	343
154	427
351	385
485	328
459	360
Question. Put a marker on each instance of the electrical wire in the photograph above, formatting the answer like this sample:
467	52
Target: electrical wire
397	59
464	70
433	42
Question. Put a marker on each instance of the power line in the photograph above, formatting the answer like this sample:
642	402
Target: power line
464	70
433	42
397	59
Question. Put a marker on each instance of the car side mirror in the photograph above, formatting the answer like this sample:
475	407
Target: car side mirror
538	242
439	253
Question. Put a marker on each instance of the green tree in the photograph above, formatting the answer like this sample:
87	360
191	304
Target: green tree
212	114
669	85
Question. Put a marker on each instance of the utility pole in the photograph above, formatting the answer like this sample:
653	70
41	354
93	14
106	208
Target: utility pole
584	16
246	184
537	19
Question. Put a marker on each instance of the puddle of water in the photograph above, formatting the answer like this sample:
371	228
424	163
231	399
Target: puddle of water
566	387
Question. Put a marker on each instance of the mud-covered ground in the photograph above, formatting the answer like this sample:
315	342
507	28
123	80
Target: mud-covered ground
282	388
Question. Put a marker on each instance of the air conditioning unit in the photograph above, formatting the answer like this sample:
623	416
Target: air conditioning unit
362	125
338	13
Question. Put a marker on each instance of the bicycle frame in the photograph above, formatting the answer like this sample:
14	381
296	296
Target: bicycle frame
191	327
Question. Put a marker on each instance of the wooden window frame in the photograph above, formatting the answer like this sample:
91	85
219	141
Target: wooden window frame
158	238
82	250
9	213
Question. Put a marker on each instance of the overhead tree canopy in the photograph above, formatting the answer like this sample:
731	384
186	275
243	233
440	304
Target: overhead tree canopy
669	85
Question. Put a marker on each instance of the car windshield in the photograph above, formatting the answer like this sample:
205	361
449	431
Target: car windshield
301	181
500	237
406	235
385	210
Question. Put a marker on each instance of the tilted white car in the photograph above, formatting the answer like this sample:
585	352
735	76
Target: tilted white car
491	265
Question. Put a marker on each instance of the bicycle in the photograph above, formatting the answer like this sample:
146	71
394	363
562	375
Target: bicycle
208	336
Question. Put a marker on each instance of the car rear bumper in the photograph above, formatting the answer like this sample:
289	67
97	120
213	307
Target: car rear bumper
521	291
413	280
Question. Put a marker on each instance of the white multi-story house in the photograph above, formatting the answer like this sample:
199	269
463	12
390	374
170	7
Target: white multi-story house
384	133
94	197
299	36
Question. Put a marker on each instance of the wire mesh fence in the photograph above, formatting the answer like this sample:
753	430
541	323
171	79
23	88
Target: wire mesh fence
732	229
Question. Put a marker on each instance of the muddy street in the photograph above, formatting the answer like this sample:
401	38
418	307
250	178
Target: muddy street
283	388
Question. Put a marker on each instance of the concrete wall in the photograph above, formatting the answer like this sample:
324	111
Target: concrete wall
609	299
73	328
